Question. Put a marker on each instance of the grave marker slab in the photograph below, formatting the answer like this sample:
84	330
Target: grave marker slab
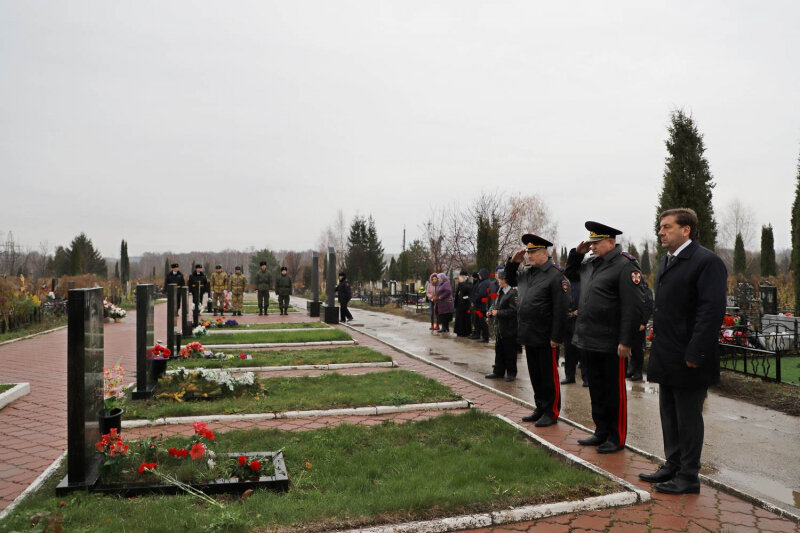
331	310
314	305
145	340
84	387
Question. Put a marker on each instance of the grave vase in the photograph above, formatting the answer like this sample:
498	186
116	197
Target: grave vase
159	366
111	420
117	320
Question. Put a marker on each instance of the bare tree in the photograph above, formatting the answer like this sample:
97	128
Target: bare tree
526	214
435	231
736	218
335	234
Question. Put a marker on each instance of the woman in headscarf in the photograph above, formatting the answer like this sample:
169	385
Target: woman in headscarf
430	294
444	302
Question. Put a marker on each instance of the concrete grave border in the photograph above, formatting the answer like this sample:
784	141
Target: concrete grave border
17	391
281	344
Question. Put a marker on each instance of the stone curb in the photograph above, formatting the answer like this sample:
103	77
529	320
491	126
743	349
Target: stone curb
222	331
281	344
332	366
349	411
32	335
38	482
521	514
723	487
17	391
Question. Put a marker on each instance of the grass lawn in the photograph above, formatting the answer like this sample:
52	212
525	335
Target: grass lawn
314	356
274	325
346	477
245	337
790	368
330	391
44	325
4	387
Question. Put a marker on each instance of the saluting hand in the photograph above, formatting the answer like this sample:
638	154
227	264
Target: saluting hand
582	248
518	256
554	344
623	351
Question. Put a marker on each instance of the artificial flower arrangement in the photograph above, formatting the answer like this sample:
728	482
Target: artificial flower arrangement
196	350
117	312
160	352
113	391
220	323
107	308
193	349
183	384
191	461
199	331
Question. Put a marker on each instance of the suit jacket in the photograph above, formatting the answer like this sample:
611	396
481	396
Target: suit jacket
689	307
506	319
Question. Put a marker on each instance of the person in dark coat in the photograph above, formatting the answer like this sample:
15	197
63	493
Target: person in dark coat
609	315
639	341
504	315
542	316
444	303
473	298
462	327
691	289
198	285
572	354
344	293
481	305
175	276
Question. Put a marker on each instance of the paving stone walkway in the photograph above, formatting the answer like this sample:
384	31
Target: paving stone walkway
33	434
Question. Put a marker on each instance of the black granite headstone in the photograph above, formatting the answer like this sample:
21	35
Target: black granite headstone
314	305
186	329
172	302
331	310
145	340
84	387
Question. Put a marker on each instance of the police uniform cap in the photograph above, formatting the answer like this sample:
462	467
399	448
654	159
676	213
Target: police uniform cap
174	265
218	266
598	231
262	263
198	266
534	242
463	273
237	268
476	275
342	274
284	268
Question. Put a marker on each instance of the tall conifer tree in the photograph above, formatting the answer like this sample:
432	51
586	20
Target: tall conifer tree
687	178
796	241
646	268
488	242
769	267
739	256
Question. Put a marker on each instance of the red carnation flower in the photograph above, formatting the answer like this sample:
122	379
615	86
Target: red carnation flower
146	466
484	299
197	451
493	295
255	466
242	460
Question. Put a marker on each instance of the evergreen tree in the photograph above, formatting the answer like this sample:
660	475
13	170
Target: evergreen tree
262	255
116	270
739	256
403	266
80	258
154	273
374	253
687	179
769	266
125	263
488	242
795	265
418	259
646	268
166	267
633	251
393	270
357	258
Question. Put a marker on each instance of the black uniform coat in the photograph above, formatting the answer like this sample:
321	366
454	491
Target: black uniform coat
463	293
343	291
506	305
174	277
611	304
543	302
689	307
198	282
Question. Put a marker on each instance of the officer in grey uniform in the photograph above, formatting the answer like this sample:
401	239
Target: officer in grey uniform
609	315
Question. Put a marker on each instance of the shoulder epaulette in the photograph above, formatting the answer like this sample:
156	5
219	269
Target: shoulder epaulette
558	267
631	258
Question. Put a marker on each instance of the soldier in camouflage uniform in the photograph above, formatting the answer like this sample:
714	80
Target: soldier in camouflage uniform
283	288
263	281
238	284
219	283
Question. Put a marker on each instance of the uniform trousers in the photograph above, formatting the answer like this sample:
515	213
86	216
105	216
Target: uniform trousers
683	428
283	302
573	355
219	300
505	357
344	311
481	325
609	398
263	300
637	352
543	371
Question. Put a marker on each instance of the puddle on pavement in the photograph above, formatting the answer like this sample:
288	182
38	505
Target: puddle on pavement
459	363
766	486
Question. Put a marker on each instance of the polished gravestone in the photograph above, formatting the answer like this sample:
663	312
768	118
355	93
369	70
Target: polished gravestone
331	310
145	340
186	328
314	305
173	337
84	387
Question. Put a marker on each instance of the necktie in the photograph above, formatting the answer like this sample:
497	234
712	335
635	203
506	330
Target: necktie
670	260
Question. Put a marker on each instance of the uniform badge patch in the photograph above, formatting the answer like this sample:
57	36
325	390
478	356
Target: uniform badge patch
564	285
636	277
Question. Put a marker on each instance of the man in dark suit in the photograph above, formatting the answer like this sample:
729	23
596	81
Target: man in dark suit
689	307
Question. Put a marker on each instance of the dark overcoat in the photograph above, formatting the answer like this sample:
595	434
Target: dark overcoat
689	307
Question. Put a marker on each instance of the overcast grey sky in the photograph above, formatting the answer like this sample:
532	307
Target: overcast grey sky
208	125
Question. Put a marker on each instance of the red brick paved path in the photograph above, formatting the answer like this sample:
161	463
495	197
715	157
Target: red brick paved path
33	434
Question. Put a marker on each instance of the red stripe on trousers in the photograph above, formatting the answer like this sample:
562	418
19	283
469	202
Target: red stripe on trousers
556	384
622	420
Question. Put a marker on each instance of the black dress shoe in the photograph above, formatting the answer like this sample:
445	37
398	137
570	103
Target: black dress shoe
545	421
492	376
533	417
678	486
567	381
609	447
662	474
511	378
594	440
636	377
585	383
